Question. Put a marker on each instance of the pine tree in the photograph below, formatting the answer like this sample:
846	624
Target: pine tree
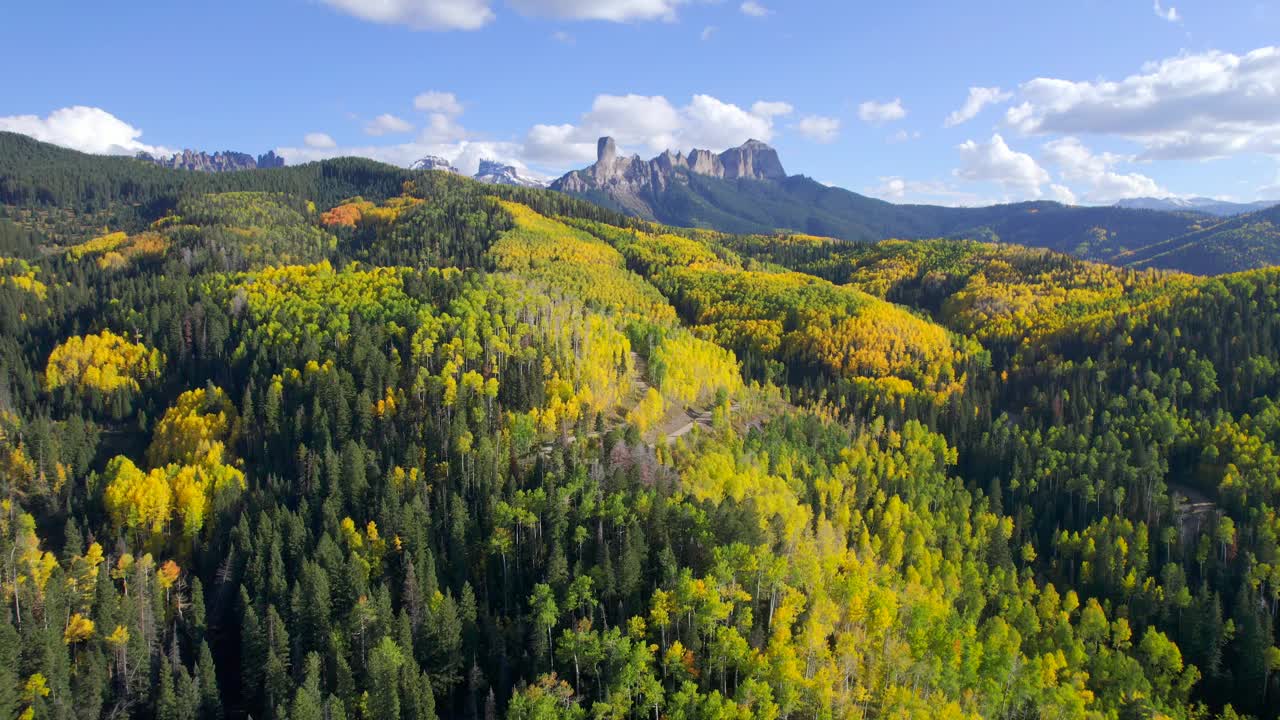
210	700
166	698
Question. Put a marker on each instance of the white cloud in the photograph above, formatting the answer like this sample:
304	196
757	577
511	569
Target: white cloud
1062	194
562	37
420	14
441	128
1170	15
900	190
711	123
633	120
979	97
1018	173
387	124
708	32
904	136
612	10
319	141
819	128
878	113
769	109
652	124
559	146
1078	164
87	129
438	102
1200	106
475	14
754	9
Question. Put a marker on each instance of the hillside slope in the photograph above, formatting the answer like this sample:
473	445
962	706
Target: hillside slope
1244	241
444	449
695	191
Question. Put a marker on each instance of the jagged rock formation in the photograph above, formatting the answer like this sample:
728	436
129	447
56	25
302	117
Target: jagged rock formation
270	160
630	182
434	162
496	173
225	161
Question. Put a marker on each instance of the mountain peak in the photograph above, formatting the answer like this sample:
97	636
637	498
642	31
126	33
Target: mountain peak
752	159
606	150
225	161
627	180
497	173
434	162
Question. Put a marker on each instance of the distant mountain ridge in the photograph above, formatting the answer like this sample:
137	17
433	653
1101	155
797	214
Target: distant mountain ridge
225	161
746	190
1221	208
491	172
36	173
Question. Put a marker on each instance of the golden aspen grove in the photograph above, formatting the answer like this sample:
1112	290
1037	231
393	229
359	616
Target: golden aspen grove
343	441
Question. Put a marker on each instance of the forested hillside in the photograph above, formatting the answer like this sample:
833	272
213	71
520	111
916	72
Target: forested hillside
348	441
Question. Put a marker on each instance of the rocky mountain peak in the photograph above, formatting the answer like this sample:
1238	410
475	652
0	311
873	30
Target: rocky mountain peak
606	151
434	162
752	159
496	173
225	161
627	180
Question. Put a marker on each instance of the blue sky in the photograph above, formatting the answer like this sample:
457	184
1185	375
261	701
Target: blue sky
1088	101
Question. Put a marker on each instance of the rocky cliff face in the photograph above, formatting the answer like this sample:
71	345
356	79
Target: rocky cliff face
226	161
495	173
630	180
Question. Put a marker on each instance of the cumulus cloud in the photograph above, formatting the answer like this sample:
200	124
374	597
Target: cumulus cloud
904	136
319	141
387	124
1194	106
878	113
87	129
419	14
653	124
979	98
1078	164
994	161
438	102
754	9
1170	15
765	108
708	32
559	146
819	128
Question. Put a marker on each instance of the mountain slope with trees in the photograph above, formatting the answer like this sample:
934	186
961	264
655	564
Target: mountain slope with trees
348	441
695	191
